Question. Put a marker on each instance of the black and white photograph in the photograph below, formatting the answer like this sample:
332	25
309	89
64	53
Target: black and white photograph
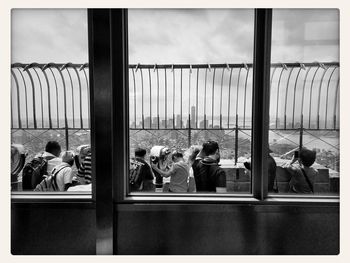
175	131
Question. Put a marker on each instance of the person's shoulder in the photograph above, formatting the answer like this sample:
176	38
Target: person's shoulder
62	167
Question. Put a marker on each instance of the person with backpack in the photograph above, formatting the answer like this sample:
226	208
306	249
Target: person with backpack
302	174
63	173
140	174
52	155
209	176
41	165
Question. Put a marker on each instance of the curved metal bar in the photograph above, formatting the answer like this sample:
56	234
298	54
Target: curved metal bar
285	100
26	96
189	97
157	96
133	76
80	97
329	80
295	87
278	95
212	100
166	98
273	73
48	96
319	97
150	96
302	97
335	105
222	83
18	102
312	84
205	97
181	98
71	83
64	97
229	99
142	100
88	93
197	98
57	113
173	97
34	108
41	98
239	76
245	95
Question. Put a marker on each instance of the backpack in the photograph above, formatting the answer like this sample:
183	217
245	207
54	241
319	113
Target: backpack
34	172
49	183
134	174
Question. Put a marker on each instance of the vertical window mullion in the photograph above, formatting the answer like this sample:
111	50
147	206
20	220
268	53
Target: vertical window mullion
261	97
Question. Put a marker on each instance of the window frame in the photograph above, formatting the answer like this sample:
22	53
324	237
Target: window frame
260	130
110	94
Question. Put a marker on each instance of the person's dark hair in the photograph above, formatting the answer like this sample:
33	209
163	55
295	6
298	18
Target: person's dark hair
140	152
307	157
53	147
177	155
210	147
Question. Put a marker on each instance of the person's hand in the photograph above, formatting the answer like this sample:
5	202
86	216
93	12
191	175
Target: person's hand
153	165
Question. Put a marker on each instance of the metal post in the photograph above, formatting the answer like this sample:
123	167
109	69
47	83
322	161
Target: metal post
189	130
301	133
261	100
236	140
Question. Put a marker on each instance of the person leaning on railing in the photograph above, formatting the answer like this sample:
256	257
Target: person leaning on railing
302	174
209	176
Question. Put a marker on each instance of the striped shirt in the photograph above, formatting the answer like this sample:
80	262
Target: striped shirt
84	171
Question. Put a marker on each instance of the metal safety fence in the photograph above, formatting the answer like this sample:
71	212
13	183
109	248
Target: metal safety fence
195	101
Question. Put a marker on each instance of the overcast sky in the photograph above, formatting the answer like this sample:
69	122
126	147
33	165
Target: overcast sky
181	36
178	35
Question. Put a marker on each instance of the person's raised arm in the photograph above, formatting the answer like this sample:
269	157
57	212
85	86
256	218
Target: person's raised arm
162	173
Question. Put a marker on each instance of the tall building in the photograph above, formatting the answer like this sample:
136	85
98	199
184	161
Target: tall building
193	117
162	123
155	123
178	121
170	123
148	122
203	124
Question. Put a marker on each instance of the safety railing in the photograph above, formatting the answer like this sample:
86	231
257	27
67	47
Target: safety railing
55	96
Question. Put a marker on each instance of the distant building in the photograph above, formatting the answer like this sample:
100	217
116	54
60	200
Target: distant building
203	124
171	123
163	124
179	123
193	117
155	123
148	122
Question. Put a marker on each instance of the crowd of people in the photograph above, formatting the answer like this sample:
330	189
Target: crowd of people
52	169
195	170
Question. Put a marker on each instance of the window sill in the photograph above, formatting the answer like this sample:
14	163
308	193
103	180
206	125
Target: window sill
64	197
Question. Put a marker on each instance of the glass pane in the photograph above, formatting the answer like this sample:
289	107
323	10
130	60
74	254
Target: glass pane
304	102
50	100
190	82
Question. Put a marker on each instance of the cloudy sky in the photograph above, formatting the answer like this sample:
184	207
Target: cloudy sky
180	36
